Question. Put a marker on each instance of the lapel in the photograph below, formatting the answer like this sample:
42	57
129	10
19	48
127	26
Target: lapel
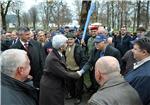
107	50
117	80
59	57
19	45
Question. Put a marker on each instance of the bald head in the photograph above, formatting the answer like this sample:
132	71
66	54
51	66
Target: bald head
102	30
107	64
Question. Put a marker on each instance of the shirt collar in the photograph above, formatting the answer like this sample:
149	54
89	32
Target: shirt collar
138	64
103	51
23	42
60	53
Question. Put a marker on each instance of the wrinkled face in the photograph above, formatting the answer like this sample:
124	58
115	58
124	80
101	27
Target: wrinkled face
25	36
64	47
70	41
26	69
137	52
41	37
99	45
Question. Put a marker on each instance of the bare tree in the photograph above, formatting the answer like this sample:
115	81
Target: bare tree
147	15
134	18
0	21
45	13
4	9
25	19
112	14
34	16
16	8
138	13
108	13
55	12
77	10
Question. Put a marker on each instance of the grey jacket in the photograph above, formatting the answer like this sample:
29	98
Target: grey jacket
115	92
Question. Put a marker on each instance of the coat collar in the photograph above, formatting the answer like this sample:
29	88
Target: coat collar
113	82
18	86
56	53
20	44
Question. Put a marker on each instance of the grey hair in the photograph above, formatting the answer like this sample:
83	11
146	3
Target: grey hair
22	30
58	41
11	59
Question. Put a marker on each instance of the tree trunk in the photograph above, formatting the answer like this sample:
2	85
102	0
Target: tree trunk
118	17
34	25
0	20
126	15
84	12
134	19
121	20
112	20
108	16
122	14
147	16
18	17
138	13
4	13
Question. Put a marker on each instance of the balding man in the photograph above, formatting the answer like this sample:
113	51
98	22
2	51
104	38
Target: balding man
114	89
102	30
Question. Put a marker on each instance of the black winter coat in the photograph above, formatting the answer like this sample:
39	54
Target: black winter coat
36	55
79	56
95	55
14	92
52	83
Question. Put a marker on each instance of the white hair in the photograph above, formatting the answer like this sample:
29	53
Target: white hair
11	59
58	41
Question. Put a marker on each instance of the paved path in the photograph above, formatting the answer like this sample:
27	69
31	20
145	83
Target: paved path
85	99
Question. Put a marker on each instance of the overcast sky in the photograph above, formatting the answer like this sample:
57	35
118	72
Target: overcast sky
29	3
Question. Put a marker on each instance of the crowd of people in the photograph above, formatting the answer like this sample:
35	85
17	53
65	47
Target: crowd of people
45	68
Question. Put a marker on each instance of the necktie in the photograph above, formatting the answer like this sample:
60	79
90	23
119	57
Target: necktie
26	46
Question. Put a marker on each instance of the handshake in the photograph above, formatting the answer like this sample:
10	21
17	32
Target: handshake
81	72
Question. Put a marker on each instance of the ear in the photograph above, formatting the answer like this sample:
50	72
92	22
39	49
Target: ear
100	76
144	52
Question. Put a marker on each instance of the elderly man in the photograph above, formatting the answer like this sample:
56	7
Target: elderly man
114	89
75	59
41	37
15	68
139	77
102	48
52	83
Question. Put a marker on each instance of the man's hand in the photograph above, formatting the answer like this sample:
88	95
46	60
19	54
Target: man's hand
83	42
81	72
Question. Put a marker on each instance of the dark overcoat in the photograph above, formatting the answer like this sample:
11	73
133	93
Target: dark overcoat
52	82
37	59
14	92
